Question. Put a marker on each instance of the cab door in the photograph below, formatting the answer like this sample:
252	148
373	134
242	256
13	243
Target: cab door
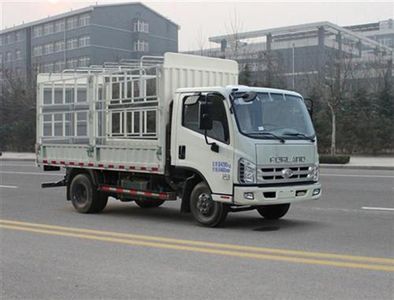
213	160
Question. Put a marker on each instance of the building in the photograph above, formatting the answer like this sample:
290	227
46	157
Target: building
87	36
382	32
301	53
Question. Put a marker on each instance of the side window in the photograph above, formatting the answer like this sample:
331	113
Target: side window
190	112
190	117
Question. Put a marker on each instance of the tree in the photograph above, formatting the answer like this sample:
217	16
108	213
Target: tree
201	41
234	26
245	76
385	111
336	85
17	113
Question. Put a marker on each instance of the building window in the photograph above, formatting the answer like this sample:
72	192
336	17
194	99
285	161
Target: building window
8	57
72	44
84	20
47	68
59	26
84	61
141	46
10	38
18	54
1	41
48	48
81	123
1	58
18	36
72	23
37	31
141	26
388	41
72	63
48	28
84	41
37	51
59	46
59	66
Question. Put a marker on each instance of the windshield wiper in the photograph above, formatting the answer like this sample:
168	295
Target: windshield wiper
282	140
312	139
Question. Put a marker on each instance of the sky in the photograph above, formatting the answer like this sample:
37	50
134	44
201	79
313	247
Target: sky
199	20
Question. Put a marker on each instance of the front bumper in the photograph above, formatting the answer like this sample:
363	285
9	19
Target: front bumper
276	194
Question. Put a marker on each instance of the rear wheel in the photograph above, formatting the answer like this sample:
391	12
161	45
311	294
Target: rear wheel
149	203
273	212
206	211
84	196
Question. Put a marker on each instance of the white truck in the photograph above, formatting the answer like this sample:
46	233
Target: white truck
176	127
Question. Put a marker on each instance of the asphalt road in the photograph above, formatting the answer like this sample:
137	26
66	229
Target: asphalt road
340	247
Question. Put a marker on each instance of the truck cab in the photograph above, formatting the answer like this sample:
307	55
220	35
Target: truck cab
251	147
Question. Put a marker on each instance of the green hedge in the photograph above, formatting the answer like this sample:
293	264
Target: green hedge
337	159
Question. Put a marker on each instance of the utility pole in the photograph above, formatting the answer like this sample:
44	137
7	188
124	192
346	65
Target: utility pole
293	73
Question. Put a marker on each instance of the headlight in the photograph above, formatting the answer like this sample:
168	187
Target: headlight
314	173
247	171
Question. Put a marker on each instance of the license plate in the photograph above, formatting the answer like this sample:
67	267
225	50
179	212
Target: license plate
286	194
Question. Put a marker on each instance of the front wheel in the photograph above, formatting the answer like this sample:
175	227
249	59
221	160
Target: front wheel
273	212
206	211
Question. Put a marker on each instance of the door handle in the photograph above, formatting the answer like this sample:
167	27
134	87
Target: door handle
182	152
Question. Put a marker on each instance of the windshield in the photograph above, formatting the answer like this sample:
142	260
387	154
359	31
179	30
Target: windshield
270	114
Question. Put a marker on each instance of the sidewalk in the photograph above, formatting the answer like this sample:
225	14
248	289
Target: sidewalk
365	162
356	162
26	156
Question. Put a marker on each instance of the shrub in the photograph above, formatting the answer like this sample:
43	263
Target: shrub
337	159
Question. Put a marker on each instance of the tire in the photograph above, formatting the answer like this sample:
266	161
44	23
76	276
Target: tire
84	196
273	212
204	210
101	202
149	203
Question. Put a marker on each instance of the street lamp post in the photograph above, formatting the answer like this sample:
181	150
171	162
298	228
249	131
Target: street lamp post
293	73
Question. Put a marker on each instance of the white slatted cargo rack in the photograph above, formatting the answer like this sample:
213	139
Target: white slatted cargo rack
114	116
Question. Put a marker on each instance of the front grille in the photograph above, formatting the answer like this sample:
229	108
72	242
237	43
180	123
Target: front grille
278	174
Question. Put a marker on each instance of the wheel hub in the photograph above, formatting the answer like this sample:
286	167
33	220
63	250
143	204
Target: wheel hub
204	204
80	194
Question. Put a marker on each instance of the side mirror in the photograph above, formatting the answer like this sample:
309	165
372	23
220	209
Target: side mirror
309	105
248	97
205	122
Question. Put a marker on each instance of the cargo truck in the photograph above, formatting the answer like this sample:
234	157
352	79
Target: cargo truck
177	127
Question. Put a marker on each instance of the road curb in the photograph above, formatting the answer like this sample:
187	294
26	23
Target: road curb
350	167
19	159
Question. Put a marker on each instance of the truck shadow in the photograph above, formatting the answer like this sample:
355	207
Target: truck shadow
260	224
130	210
241	221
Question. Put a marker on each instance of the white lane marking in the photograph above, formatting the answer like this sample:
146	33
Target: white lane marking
378	208
358	175
8	186
29	173
331	209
